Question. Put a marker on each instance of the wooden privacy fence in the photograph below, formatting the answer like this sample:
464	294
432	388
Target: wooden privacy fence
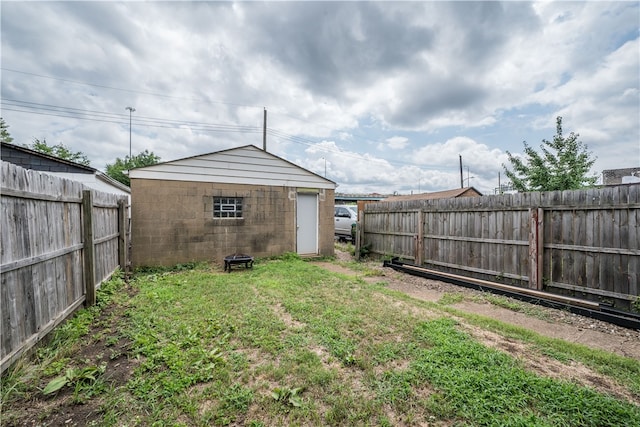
582	243
60	241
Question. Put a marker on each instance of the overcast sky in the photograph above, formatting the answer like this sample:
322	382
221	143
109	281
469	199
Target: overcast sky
383	96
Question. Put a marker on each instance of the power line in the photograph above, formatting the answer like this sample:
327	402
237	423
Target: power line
123	119
127	90
118	118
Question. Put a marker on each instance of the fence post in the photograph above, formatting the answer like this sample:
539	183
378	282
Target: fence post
122	235
536	248
420	239
359	232
89	254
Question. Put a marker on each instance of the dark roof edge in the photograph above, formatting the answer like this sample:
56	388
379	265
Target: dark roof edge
49	157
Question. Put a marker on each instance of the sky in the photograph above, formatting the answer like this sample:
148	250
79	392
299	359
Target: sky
379	97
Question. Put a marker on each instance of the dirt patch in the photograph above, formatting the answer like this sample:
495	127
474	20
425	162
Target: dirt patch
68	408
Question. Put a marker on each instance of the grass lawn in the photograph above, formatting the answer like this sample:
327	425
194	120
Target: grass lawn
289	343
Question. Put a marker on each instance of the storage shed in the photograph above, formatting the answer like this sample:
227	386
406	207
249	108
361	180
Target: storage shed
241	200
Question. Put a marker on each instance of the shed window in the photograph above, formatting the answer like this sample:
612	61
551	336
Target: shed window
227	207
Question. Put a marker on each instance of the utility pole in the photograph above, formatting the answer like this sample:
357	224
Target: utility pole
264	130
461	176
131	110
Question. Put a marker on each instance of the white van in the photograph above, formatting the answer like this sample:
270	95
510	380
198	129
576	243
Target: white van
345	218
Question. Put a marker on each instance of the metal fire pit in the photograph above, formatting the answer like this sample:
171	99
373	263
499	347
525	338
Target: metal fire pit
237	259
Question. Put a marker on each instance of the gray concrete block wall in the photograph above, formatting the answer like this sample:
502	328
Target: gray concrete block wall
172	222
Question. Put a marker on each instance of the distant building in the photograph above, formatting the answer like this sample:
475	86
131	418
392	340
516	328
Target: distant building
447	194
621	176
343	198
35	160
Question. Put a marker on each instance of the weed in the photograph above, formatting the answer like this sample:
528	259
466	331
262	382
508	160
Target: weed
14	382
287	256
504	302
111	341
287	396
365	250
450	298
78	377
514	305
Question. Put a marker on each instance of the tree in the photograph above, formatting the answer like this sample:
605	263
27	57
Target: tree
4	132
118	168
563	165
59	150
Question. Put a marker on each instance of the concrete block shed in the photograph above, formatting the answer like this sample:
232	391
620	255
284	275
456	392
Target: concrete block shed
241	200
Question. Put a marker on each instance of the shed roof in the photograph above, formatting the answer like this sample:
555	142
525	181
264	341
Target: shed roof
242	165
446	194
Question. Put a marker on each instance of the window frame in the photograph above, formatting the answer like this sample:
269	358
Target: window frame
227	207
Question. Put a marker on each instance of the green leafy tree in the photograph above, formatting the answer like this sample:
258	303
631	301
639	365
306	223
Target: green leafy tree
59	150
120	166
563	165
4	132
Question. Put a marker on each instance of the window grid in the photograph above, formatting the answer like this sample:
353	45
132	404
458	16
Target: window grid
227	207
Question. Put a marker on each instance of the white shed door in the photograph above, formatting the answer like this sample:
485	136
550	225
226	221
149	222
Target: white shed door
307	223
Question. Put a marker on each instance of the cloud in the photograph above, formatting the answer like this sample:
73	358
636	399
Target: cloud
433	167
387	93
330	47
396	143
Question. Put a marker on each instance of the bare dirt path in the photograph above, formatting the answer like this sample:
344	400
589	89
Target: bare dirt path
562	325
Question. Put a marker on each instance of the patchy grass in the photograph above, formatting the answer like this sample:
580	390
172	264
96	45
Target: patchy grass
288	343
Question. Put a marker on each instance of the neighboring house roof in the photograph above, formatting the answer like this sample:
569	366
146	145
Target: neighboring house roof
447	194
35	160
357	197
243	165
621	176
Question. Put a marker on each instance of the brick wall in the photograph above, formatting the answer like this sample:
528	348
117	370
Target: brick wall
172	222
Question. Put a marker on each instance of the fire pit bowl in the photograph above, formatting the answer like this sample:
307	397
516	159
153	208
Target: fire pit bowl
237	259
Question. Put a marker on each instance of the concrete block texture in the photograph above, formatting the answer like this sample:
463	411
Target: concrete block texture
173	222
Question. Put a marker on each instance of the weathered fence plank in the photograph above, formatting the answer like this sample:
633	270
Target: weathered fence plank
586	244
42	257
89	247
